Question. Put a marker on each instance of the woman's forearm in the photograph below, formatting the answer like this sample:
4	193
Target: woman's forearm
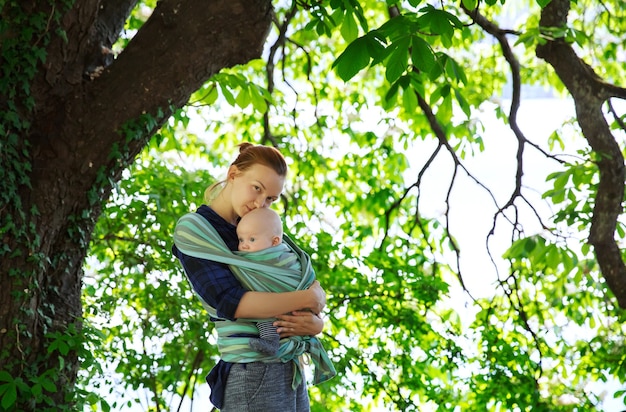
268	305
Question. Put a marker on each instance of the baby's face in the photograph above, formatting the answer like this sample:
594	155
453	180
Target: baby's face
251	240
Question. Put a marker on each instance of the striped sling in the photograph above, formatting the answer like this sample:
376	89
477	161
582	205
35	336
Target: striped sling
280	268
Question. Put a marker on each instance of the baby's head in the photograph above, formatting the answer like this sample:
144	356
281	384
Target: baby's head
259	229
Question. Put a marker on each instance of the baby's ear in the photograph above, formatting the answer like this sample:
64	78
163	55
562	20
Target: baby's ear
276	241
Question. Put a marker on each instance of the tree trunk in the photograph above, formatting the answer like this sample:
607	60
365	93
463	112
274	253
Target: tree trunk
69	127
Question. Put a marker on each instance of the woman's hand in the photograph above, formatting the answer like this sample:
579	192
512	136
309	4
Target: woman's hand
299	323
319	297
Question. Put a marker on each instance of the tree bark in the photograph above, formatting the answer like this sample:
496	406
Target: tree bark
83	130
590	92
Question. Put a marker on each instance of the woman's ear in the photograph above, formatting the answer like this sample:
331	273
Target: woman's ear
232	172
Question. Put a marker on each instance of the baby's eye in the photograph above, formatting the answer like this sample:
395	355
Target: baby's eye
252	239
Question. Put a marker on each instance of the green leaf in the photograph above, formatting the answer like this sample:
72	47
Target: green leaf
228	95
376	48
36	390
9	395
519	249
439	23
105	407
390	98
530	244
561	180
48	385
470	4
5	376
437	69
422	55
398	60
243	98
212	95
455	71
258	100
353	59
417	83
409	100
462	102
349	28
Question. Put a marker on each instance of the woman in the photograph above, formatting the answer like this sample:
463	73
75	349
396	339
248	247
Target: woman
254	180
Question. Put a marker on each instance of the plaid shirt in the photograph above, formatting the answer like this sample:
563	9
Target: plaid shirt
213	281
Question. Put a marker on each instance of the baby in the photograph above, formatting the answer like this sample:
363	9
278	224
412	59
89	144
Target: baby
257	230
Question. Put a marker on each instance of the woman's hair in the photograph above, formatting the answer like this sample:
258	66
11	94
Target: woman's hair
250	155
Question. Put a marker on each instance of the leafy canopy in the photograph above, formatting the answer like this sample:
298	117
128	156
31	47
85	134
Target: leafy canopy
371	102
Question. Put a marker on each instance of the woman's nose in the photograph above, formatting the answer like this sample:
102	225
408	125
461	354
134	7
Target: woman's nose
260	202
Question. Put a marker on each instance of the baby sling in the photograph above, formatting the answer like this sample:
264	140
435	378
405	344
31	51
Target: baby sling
195	236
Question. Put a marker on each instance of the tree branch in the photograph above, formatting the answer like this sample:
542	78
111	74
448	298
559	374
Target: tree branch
180	46
590	92
110	18
269	68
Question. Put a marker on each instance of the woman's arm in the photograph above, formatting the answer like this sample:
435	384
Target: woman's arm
268	305
217	286
214	283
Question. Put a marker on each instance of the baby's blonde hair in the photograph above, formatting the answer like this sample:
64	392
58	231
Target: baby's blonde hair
270	218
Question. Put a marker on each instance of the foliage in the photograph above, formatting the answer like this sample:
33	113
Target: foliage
345	92
136	293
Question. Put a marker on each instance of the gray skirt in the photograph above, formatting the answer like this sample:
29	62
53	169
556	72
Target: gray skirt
264	387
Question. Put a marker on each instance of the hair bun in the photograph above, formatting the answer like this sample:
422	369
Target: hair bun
244	146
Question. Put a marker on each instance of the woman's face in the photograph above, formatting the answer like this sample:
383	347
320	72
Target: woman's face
258	186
